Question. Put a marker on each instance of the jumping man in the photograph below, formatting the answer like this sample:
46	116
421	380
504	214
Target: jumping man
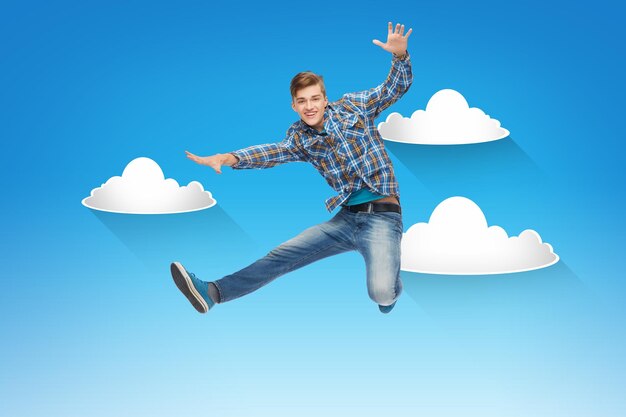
341	141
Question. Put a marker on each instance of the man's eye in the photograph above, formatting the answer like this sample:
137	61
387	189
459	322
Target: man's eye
316	99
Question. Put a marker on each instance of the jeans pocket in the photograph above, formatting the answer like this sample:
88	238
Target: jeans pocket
391	216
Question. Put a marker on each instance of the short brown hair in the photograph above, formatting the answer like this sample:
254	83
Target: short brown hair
306	79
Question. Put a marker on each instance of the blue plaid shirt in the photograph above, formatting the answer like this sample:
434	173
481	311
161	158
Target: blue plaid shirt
349	153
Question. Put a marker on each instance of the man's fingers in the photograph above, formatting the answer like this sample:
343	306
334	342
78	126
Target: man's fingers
209	161
397	28
389	27
408	33
402	30
379	43
195	158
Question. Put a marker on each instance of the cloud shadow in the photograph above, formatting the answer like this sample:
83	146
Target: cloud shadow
159	239
480	301
501	166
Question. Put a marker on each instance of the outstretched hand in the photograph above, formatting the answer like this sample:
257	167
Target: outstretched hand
214	161
396	40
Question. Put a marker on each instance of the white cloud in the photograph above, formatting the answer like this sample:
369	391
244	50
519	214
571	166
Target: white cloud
447	120
143	189
458	241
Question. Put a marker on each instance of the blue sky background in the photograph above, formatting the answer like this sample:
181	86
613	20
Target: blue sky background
91	322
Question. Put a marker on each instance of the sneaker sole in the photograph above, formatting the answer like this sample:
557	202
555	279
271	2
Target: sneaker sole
184	284
387	309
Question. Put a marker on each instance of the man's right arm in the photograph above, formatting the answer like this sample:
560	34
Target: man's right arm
267	155
257	156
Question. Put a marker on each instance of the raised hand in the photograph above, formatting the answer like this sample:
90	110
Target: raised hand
396	40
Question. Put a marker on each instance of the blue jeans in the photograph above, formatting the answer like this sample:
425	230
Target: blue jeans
375	235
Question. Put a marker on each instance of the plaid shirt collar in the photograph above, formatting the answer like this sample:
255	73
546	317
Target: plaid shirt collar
335	117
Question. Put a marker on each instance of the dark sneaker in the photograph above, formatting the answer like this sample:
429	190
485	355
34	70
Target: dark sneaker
196	290
387	309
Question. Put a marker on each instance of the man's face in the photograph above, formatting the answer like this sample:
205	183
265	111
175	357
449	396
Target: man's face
310	103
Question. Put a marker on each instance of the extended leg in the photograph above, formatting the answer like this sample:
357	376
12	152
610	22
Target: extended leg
315	243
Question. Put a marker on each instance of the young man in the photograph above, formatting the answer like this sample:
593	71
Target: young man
340	139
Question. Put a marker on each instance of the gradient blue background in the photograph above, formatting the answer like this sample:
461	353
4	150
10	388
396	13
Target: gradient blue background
91	322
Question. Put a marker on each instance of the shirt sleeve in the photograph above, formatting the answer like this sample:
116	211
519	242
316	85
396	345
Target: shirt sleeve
375	100
268	155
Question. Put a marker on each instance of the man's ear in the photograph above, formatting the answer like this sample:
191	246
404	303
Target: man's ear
293	106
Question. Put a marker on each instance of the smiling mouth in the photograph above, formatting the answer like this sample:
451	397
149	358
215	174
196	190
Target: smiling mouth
310	114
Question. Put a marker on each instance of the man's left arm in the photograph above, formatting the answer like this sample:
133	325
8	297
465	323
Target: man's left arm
374	101
395	86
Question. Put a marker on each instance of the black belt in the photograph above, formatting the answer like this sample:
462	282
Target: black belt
373	207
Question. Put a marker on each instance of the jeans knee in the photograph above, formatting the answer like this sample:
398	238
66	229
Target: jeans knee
384	291
383	295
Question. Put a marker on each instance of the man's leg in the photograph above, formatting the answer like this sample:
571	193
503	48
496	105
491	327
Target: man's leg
378	240
315	243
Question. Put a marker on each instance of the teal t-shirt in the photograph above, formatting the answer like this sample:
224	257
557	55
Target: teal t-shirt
363	195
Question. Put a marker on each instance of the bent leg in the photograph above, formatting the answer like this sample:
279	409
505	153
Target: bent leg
315	243
379	242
